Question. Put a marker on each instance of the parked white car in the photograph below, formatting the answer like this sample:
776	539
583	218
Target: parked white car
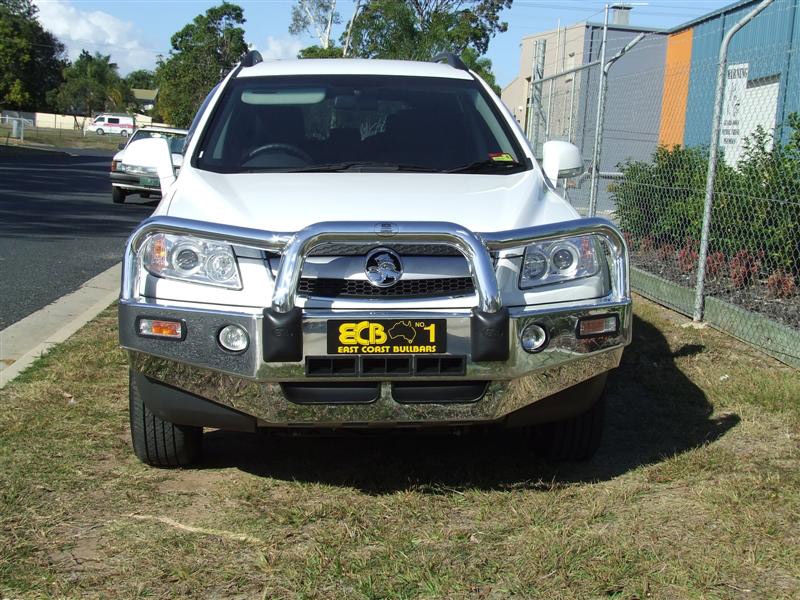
129	178
119	124
366	244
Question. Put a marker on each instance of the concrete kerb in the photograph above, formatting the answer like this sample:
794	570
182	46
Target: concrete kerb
30	338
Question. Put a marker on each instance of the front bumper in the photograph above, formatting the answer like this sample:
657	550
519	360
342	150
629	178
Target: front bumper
257	383
132	182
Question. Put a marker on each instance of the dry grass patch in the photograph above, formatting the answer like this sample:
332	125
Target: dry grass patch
62	138
694	493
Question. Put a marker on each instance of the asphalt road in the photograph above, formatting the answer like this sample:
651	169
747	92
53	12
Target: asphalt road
58	226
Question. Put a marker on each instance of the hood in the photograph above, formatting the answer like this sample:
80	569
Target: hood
291	201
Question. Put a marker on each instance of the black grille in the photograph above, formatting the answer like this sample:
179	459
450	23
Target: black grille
391	366
408	288
409	249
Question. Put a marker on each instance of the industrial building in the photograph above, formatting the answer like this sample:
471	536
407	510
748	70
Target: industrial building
661	92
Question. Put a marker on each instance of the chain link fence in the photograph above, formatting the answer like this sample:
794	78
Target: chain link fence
653	169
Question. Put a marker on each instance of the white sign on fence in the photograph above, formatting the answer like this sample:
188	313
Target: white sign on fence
730	139
744	109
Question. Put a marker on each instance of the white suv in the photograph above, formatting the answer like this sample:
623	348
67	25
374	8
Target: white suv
365	244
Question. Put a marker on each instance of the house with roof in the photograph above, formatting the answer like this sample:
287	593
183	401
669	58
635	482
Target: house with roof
145	99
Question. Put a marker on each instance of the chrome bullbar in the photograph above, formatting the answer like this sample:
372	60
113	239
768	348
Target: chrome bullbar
295	247
259	381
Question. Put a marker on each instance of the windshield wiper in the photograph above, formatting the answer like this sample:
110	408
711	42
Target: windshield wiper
363	166
486	165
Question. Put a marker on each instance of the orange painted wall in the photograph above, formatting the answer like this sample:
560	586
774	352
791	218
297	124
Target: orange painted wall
677	68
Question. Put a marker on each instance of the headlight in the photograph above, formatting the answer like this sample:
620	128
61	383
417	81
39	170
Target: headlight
559	260
138	169
191	259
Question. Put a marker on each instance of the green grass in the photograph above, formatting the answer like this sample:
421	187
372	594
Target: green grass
62	138
695	493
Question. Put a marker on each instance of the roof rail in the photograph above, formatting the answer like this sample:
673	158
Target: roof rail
253	57
451	59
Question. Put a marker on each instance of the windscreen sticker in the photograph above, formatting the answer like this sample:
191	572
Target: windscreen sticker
501	157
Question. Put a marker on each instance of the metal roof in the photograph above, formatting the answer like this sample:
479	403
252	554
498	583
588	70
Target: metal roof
144	95
715	13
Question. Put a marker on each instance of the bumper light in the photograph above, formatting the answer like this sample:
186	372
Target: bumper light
172	330
595	326
533	338
233	338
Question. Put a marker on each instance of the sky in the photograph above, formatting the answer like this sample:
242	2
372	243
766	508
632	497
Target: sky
134	32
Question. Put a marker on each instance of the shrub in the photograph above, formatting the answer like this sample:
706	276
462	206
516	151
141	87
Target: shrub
756	206
646	244
666	252
715	262
781	284
630	240
743	268
687	259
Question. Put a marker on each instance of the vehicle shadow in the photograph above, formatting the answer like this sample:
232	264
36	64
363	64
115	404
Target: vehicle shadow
654	411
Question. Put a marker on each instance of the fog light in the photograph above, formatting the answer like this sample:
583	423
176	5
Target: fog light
533	338
233	338
160	328
594	326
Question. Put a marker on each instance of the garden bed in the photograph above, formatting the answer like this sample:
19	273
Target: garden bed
756	296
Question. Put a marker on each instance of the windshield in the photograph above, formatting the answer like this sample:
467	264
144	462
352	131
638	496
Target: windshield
175	140
364	123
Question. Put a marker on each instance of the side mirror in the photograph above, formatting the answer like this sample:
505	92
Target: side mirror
561	160
152	157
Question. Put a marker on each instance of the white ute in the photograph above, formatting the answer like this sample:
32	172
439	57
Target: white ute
366	244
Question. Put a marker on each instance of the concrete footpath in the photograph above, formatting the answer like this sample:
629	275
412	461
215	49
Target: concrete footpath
28	339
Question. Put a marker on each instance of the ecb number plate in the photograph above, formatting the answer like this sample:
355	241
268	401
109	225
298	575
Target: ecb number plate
388	336
149	181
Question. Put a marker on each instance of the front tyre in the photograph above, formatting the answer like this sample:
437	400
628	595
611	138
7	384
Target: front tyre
124	133
157	442
117	195
576	438
100	132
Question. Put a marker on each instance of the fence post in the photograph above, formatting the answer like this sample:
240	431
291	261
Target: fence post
535	101
601	111
598	124
713	157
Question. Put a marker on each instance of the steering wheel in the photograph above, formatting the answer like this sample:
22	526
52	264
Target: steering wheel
278	147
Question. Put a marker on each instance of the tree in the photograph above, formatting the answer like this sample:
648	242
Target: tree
92	84
482	66
31	58
202	52
320	52
418	29
141	79
315	17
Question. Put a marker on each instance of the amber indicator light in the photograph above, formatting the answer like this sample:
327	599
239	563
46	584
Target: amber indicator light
594	326
161	328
